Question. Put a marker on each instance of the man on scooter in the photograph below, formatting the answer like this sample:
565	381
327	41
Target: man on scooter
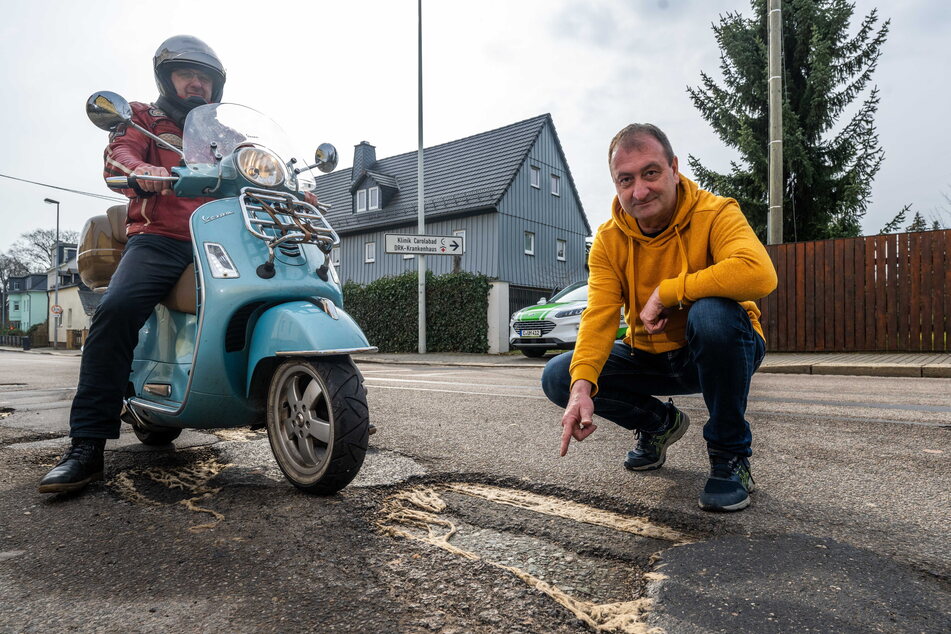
188	74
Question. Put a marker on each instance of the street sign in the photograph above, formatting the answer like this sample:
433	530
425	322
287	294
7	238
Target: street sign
423	245
56	309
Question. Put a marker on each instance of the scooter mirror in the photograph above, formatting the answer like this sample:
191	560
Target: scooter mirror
107	110
326	158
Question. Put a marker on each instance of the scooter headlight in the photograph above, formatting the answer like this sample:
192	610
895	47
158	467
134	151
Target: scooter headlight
260	166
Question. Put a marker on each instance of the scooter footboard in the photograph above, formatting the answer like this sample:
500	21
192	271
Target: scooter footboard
304	329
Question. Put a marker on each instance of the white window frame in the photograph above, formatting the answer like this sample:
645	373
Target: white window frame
536	176
15	284
373	198
461	233
369	252
335	256
362	200
16	306
529	242
555	185
561	250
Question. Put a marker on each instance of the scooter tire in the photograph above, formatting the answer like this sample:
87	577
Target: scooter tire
152	436
318	422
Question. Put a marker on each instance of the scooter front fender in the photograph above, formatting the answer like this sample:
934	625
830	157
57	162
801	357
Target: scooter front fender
304	329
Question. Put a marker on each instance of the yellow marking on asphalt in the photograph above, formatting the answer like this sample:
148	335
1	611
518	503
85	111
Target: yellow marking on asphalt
192	479
568	510
415	514
237	434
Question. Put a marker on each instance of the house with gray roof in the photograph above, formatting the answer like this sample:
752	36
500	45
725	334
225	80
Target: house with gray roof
508	192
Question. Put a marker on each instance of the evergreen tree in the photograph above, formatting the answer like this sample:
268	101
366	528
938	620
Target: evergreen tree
917	223
894	224
828	166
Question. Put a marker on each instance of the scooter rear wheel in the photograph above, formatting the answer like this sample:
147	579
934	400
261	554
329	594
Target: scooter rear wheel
150	435
318	422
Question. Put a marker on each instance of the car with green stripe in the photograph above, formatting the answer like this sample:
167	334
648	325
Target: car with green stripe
552	324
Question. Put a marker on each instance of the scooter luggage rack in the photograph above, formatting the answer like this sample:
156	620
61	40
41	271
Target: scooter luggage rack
288	220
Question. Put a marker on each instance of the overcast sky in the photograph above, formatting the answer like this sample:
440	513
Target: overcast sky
344	72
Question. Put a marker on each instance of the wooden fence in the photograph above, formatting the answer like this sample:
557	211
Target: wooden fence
874	293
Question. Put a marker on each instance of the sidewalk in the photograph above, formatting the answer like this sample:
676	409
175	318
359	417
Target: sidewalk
926	364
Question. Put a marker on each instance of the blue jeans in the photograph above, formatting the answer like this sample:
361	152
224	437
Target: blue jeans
722	353
149	268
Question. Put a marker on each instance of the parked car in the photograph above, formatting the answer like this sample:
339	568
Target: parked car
552	324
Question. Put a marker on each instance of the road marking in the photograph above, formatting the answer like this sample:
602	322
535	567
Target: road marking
429	389
487	385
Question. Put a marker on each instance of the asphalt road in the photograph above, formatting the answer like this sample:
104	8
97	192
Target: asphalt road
847	531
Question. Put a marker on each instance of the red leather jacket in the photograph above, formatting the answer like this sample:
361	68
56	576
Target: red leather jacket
128	149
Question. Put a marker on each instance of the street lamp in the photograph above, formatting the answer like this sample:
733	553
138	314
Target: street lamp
56	269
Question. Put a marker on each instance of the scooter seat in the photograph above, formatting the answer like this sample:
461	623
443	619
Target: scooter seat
100	248
182	297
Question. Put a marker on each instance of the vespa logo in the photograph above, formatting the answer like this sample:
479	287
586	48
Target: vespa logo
221	215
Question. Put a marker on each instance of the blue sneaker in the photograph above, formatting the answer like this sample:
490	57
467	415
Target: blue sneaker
651	450
729	485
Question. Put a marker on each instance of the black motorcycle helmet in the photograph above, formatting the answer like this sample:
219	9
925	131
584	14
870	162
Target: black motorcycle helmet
181	51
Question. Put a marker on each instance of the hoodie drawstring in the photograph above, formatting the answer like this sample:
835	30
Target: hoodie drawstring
684	268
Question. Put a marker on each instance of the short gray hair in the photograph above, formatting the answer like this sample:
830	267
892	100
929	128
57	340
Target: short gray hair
628	136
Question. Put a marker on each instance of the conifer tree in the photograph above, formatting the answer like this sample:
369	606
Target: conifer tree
828	164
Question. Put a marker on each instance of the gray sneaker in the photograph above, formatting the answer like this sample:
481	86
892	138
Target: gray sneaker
651	450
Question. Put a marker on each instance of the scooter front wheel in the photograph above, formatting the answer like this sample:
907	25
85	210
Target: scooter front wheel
318	422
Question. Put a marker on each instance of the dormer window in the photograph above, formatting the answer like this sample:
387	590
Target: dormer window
368	199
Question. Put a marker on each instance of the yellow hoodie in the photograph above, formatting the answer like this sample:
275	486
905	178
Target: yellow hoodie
707	250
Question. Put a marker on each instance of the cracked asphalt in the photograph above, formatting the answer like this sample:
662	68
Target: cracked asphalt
847	531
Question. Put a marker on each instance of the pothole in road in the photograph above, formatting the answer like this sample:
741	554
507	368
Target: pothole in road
595	563
186	485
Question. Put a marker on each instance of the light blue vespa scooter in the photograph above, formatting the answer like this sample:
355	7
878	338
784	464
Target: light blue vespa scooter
260	336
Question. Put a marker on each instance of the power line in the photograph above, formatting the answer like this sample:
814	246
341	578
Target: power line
66	189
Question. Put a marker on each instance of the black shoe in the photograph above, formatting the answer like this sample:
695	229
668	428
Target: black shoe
81	464
651	449
729	485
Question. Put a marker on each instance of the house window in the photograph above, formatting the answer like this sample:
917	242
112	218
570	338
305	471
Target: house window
69	318
561	247
536	177
335	256
362	200
15	284
529	243
555	185
461	233
374	198
370	252
16	305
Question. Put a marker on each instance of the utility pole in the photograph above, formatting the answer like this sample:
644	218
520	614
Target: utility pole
55	319
774	221
420	204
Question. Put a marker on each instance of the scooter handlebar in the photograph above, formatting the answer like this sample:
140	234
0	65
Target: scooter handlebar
129	182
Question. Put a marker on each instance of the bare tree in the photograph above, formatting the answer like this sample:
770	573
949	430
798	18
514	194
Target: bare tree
35	248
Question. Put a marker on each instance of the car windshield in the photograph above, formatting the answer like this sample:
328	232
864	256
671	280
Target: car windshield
223	127
573	293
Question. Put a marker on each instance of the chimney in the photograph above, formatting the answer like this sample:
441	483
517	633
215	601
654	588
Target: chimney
364	156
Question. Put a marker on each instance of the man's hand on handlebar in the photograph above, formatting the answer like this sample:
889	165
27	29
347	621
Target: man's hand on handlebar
146	185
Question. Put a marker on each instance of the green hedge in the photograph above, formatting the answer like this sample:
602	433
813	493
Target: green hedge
456	312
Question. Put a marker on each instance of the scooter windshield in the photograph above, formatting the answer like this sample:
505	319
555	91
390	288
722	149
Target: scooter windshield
223	127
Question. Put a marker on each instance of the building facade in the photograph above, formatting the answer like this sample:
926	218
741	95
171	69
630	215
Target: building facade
26	300
508	192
